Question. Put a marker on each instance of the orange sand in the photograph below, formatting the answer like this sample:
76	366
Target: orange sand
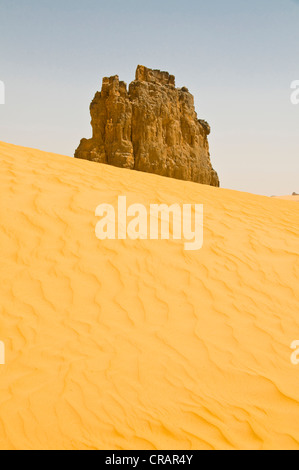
289	198
140	344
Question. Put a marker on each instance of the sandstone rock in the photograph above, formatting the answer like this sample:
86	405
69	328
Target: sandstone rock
151	127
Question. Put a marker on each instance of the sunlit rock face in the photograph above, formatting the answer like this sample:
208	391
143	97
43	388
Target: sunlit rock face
151	127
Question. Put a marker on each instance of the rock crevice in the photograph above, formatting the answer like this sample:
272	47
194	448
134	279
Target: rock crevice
151	127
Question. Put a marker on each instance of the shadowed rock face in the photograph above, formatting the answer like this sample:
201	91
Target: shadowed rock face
151	127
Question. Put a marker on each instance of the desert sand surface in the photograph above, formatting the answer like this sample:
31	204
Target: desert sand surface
123	344
289	198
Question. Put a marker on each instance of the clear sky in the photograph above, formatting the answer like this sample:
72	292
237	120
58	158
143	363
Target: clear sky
237	57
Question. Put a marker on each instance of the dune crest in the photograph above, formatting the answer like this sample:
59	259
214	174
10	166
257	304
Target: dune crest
122	345
293	197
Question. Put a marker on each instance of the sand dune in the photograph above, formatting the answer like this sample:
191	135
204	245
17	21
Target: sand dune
140	344
289	198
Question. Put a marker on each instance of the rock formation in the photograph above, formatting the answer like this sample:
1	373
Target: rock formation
151	127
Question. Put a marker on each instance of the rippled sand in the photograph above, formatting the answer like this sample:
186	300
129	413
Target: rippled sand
142	345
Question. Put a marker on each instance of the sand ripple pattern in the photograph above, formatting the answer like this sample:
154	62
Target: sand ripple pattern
142	345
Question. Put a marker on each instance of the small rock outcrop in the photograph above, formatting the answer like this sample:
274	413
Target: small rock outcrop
151	127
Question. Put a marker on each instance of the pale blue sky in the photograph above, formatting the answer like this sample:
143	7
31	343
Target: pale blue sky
237	57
